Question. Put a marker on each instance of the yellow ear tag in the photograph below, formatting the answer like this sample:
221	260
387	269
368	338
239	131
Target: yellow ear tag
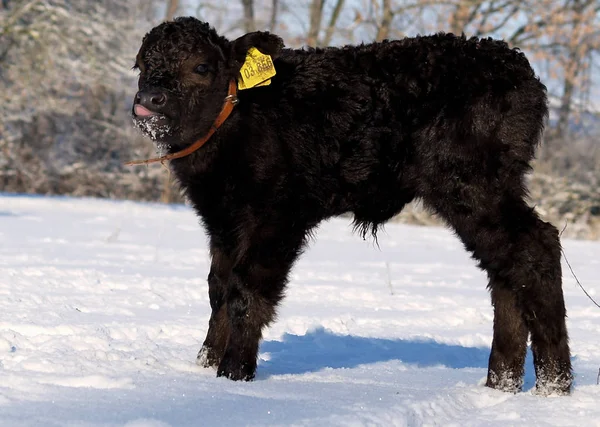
256	71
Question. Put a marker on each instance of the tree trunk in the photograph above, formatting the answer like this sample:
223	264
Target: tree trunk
274	12
575	57
564	112
249	24
383	31
171	9
316	14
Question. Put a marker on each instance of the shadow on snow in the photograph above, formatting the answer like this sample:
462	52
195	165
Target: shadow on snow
321	348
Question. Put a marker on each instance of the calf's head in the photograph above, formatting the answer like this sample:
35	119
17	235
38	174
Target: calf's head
185	69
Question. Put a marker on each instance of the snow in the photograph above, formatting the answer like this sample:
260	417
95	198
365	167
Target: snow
153	126
104	306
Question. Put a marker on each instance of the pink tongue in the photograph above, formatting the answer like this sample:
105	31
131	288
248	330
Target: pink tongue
142	111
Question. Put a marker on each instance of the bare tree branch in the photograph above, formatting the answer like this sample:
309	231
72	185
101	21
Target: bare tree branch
332	22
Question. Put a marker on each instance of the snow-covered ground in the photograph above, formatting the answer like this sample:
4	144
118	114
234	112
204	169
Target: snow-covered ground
104	306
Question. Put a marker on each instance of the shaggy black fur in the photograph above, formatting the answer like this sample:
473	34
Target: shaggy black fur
361	129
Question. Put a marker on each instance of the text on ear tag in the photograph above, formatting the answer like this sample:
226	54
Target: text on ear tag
256	71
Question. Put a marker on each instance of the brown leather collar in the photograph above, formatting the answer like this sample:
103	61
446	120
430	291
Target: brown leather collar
230	101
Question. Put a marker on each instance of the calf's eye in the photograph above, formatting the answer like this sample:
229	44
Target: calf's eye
201	69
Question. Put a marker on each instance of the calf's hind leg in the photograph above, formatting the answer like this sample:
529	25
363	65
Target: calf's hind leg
521	254
507	358
544	310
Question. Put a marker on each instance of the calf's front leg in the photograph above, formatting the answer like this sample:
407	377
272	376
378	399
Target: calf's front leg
255	287
212	350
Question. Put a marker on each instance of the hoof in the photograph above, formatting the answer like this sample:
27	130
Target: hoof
236	370
207	358
506	381
555	387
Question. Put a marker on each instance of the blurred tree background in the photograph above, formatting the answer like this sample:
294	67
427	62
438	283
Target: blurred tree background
66	85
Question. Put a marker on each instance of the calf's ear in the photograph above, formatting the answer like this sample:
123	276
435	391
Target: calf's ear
267	43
